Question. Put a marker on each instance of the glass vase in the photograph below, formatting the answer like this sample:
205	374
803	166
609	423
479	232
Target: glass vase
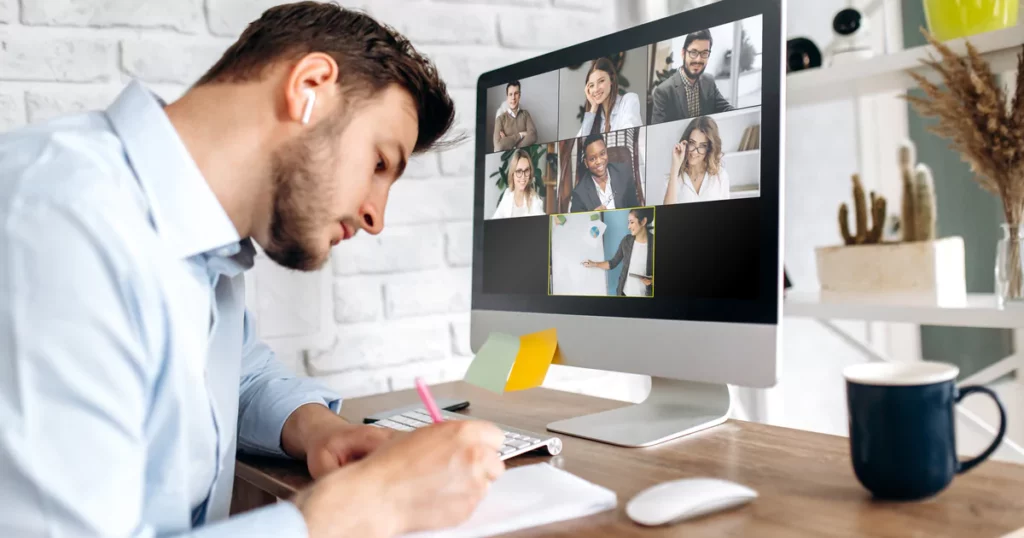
1010	265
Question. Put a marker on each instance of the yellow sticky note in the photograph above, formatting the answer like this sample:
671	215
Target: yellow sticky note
536	351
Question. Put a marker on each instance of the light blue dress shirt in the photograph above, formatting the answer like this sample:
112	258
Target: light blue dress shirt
128	362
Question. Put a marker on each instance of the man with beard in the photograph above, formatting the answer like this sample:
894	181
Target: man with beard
129	370
688	93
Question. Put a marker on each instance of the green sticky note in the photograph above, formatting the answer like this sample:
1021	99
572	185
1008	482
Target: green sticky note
560	219
595	216
493	363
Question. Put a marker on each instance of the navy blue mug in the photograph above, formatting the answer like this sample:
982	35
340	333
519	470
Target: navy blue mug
903	427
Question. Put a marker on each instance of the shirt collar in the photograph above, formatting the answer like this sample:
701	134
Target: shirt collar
607	183
512	112
688	182
686	79
186	214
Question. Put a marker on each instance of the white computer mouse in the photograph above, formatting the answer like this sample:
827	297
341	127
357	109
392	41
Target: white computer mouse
678	500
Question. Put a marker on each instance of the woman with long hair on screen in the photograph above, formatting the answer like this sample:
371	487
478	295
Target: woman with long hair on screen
696	173
637	248
605	109
521	198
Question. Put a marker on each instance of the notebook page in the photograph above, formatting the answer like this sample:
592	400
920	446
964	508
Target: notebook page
530	496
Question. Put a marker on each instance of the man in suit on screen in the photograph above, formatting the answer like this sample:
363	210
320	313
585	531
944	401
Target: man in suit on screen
688	93
604	185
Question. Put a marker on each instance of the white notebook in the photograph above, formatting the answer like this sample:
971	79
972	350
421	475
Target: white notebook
530	496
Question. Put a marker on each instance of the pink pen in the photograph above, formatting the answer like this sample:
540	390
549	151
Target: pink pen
428	401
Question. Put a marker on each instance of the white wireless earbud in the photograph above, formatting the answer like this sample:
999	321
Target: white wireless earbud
310	99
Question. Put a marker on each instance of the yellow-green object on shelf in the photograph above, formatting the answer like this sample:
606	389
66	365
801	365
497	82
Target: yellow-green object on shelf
950	19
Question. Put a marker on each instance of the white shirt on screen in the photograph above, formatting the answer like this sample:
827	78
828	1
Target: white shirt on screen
637	265
606	195
507	208
625	114
712	188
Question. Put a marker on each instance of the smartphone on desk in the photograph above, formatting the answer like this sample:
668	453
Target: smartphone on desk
443	403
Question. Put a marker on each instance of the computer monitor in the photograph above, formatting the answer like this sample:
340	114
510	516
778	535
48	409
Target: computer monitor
628	194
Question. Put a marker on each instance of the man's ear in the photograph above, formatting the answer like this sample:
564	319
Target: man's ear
316	72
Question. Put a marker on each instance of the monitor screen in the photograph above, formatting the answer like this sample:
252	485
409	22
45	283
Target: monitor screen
635	175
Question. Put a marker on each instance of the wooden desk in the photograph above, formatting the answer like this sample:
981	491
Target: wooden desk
805	480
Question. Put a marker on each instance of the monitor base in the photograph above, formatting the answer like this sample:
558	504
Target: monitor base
672	409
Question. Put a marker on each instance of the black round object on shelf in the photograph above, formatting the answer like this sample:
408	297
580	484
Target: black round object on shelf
801	53
847	21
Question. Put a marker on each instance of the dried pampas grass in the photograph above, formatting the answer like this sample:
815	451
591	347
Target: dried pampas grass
986	127
973	114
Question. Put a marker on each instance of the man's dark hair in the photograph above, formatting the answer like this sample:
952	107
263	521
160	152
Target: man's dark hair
513	83
699	35
371	56
596	137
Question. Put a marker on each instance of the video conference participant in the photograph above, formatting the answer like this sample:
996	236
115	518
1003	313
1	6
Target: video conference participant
513	126
637	249
604	185
696	173
689	93
521	198
606	110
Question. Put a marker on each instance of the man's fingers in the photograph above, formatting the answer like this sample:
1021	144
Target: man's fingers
358	445
493	468
491	436
322	463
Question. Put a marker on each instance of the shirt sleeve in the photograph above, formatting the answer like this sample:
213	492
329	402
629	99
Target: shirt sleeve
531	131
78	365
588	124
74	382
280	520
661	102
630	114
617	258
268	395
502	211
721	103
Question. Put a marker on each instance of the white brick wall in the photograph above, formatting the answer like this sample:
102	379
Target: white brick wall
401	300
8	10
180	15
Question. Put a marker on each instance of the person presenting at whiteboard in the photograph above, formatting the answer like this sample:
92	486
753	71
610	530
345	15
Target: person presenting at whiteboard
637	278
605	109
520	198
696	173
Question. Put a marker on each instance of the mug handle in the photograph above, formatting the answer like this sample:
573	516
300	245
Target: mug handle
963	392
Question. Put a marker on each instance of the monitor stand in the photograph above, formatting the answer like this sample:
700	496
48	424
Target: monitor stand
672	409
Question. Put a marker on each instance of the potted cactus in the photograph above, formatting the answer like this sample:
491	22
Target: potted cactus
915	263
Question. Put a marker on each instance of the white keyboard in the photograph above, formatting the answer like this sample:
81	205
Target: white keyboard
516	441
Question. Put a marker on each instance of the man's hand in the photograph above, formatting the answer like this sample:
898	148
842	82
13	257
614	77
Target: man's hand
431	478
326	441
502	133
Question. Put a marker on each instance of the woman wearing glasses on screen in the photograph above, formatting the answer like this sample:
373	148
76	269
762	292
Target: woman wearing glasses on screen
606	110
636	279
521	198
696	173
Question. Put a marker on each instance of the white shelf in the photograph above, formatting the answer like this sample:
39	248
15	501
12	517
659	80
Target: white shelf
746	153
888	73
976	310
